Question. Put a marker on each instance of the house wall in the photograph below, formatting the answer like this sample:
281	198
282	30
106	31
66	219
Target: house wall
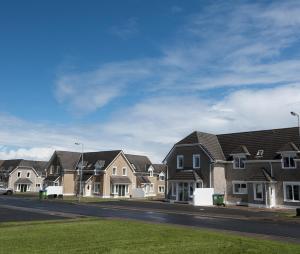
187	152
218	179
33	178
160	183
281	175
119	163
68	182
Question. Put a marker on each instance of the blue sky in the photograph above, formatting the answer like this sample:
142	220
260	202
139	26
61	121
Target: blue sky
139	75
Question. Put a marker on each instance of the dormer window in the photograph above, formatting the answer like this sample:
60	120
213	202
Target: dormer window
196	160
161	176
179	161
239	162
151	172
288	161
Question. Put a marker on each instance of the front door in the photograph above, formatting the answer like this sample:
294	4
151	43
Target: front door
272	197
183	192
23	187
121	191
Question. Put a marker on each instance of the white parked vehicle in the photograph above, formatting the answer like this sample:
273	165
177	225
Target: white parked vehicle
5	191
54	191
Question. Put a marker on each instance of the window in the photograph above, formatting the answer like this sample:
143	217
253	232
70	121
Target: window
161	177
291	191
151	172
97	188
57	169
174	189
179	161
151	187
19	174
38	185
28	174
161	189
124	171
240	188
51	170
239	162
126	189
199	185
196	160
288	161
114	171
258	191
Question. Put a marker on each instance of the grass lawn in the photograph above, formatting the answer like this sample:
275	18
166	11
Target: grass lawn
118	236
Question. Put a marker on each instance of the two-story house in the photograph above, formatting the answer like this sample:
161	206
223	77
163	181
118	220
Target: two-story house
106	174
150	177
257	168
22	175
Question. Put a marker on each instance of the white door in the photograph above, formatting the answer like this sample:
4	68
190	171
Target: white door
272	195
88	189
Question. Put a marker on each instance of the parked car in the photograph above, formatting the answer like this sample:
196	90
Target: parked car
5	191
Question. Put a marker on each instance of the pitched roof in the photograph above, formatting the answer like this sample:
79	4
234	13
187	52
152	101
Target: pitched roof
188	175
141	163
9	165
104	157
262	176
52	178
120	180
23	181
142	179
208	141
240	149
158	168
270	141
68	160
288	147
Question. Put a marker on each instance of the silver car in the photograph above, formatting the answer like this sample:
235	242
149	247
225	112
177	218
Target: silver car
5	191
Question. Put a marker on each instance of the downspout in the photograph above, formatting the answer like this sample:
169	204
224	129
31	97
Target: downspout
167	184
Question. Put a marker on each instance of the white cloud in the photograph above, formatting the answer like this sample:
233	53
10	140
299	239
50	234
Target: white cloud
224	46
152	126
125	30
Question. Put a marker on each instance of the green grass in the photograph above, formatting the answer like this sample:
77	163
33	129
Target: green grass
116	236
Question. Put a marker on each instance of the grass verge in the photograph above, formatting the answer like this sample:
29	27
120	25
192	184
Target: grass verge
119	236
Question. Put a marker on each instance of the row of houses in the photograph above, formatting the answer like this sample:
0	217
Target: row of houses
256	168
104	174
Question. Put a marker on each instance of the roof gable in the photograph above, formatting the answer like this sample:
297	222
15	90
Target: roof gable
141	163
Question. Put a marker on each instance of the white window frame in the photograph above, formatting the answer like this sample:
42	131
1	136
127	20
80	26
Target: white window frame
239	158
57	169
196	156
28	172
51	170
161	186
151	172
284	191
114	169
162	175
19	174
290	156
239	193
178	159
123	171
151	187
254	192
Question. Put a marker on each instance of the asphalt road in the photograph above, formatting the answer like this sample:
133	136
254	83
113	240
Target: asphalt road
269	229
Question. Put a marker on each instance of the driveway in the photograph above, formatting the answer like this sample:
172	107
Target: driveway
288	231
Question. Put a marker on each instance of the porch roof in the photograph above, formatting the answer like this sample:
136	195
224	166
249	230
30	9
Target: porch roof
120	180
186	175
52	178
142	179
262	176
23	181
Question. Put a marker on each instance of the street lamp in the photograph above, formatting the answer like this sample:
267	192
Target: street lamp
81	168
297	115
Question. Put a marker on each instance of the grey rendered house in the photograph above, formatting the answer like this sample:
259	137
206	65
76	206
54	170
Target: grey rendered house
150	177
22	175
256	168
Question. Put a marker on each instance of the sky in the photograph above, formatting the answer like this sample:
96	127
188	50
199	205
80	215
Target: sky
141	75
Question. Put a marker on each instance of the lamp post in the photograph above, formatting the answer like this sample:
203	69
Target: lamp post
81	168
297	115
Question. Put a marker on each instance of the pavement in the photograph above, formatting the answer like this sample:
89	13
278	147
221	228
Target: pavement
242	222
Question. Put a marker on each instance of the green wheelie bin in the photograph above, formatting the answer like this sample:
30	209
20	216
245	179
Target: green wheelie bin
218	199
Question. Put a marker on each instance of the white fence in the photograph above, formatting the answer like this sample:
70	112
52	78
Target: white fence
203	197
54	190
138	193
